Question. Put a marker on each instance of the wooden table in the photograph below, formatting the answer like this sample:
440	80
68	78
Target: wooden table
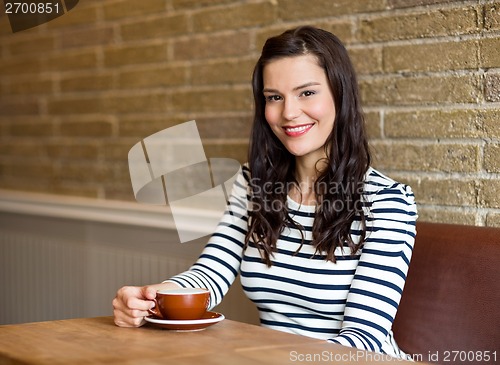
99	341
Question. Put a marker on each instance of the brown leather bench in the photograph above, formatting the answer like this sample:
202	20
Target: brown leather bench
450	308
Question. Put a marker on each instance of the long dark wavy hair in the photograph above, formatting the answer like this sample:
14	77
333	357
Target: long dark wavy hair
338	188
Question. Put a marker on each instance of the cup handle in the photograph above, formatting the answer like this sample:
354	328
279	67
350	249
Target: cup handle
155	311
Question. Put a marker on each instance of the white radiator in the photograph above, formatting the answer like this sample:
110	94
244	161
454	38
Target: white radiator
65	258
44	279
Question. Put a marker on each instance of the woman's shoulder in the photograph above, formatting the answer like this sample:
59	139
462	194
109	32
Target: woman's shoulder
379	184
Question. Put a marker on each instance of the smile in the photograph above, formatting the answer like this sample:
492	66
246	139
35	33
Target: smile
298	130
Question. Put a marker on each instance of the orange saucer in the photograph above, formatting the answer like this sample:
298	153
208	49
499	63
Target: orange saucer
208	319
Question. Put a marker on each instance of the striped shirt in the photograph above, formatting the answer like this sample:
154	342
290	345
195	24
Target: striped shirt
352	302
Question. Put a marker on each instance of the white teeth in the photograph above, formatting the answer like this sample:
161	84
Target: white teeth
297	129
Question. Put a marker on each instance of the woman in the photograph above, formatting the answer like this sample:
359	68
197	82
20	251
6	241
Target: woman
322	241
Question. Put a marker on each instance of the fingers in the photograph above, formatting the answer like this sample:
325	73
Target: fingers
131	305
149	292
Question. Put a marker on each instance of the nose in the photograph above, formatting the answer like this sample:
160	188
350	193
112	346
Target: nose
291	109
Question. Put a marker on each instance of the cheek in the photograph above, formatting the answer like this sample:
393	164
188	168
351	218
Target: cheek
270	115
324	110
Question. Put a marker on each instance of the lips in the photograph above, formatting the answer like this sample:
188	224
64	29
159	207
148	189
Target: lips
297	130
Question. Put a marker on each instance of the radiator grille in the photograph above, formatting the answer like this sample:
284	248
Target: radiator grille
48	279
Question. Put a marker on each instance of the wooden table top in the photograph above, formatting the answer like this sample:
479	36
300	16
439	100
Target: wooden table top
99	341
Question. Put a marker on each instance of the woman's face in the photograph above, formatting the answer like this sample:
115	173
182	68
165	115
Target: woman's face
299	105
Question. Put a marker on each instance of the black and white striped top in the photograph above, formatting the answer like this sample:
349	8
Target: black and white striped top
352	302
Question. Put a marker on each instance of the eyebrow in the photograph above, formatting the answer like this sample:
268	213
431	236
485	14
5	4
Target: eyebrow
303	86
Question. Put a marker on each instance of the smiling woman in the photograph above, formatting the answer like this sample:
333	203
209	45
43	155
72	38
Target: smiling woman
327	256
299	112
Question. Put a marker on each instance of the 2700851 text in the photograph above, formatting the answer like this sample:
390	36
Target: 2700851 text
32	8
467	356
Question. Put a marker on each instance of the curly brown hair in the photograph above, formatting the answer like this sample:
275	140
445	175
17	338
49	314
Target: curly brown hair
346	148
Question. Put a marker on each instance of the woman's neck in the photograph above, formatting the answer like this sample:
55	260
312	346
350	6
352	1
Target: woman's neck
306	173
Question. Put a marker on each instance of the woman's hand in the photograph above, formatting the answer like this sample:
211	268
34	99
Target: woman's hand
131	303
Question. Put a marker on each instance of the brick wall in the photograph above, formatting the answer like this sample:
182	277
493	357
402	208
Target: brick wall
78	92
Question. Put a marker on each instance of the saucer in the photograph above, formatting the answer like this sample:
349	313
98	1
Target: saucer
208	319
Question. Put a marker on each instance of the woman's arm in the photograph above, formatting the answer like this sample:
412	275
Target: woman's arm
215	269
380	276
219	263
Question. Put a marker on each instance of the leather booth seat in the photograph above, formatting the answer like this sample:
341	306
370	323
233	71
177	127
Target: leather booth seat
450	308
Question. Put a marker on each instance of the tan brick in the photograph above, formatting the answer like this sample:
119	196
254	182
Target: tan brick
163	27
445	191
132	8
69	61
117	151
72	150
234	17
91	128
22	148
408	156
164	76
294	10
492	87
438	124
36	45
223	72
490	52
139	128
28	169
218	129
489	119
211	100
343	29
395	4
421	90
492	157
192	4
20	65
492	16
31	126
493	220
131	55
440	56
372	123
488	193
83	15
237	151
83	105
432	23
91	82
151	102
21	107
442	215
366	60
214	46
85	189
32	85
88	36
76	171
119	192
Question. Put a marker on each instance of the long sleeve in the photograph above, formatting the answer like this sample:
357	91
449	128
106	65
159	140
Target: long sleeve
380	276
220	260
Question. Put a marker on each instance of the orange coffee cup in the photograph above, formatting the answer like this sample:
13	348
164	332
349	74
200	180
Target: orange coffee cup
181	303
